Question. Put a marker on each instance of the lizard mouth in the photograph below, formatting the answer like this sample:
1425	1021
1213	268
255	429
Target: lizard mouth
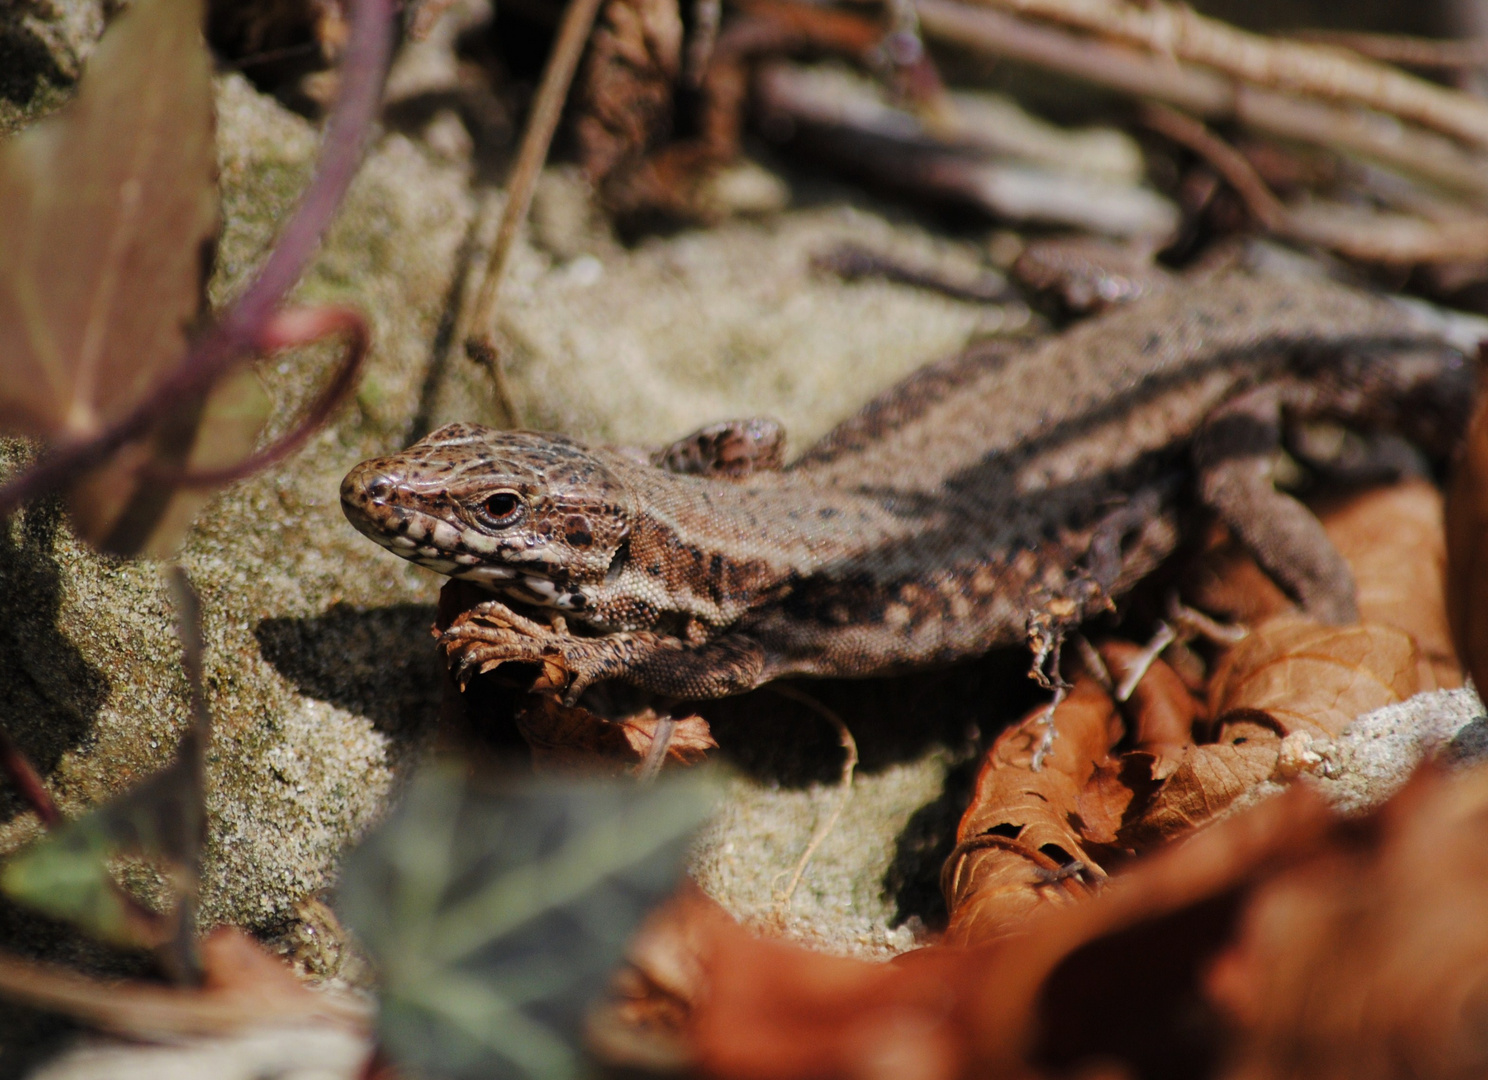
370	502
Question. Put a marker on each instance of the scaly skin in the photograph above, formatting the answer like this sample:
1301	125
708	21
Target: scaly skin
999	496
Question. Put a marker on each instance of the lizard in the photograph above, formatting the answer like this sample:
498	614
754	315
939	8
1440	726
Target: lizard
1000	496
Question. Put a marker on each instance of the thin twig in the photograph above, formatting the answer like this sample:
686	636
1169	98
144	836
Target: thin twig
844	783
1137	668
1193	622
1094	663
1227	161
28	781
1046	742
237	334
661	740
1365	235
1180	33
706	17
1402	49
563	61
853	262
1196	90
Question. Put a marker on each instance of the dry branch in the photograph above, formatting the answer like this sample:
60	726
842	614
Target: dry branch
1180	33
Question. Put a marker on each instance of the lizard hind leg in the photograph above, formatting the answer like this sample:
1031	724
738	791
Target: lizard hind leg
1234	454
731	449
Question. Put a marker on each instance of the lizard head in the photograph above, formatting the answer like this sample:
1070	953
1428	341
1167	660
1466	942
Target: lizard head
537	518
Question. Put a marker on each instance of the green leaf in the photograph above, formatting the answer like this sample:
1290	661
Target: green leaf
66	875
496	911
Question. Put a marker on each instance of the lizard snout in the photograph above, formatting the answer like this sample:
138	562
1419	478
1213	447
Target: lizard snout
366	494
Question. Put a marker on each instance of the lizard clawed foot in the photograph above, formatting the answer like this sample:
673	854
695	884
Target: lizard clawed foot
491	635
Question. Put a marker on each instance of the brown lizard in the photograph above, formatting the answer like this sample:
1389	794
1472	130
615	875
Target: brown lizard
999	496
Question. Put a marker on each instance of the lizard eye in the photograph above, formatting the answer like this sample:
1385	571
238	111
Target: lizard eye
503	508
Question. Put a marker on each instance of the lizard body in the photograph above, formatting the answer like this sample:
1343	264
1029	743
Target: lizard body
1003	494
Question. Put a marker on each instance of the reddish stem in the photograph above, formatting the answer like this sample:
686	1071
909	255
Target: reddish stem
27	780
285	330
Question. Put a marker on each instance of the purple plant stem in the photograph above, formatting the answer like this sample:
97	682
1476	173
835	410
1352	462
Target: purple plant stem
287	328
240	329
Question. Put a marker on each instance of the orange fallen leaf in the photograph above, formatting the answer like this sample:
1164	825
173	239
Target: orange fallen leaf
1316	678
1161	711
565	737
1113	983
1394	540
1019	845
1370	960
643	1023
1161	716
1208	779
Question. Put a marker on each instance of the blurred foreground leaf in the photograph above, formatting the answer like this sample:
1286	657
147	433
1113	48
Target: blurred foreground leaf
497	909
108	216
66	873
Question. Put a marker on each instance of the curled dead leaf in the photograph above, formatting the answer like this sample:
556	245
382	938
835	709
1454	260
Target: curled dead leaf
1209	778
1394	539
1316	678
1161	711
643	1023
1019	845
624	95
1370	959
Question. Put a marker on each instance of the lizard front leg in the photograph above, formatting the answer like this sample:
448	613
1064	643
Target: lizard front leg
490	635
1234	454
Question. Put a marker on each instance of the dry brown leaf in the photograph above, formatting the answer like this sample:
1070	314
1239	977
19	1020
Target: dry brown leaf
1161	711
1394	540
571	738
1019	845
774	1011
1207	780
1343	948
1370	960
1315	678
243	987
1161	716
1467	548
643	1023
1112	982
624	96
